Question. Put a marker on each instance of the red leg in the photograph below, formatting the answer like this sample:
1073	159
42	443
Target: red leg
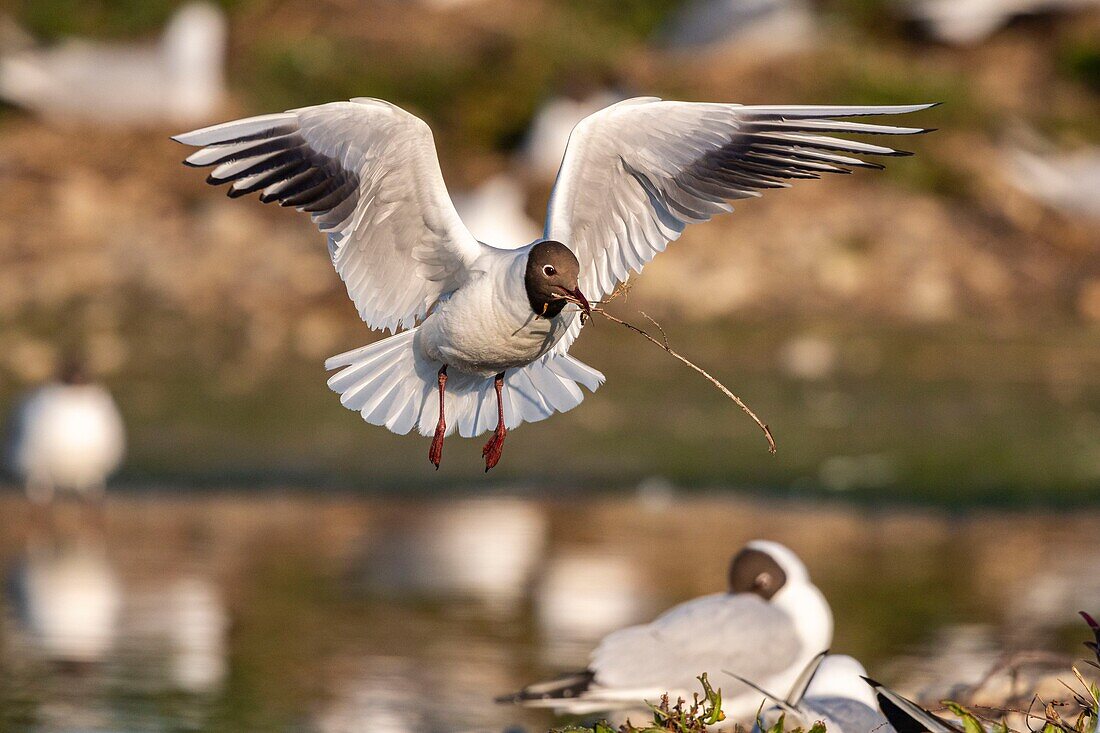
435	453
495	446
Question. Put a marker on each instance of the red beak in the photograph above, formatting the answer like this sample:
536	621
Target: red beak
583	301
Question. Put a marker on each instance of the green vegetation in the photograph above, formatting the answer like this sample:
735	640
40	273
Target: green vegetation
1080	60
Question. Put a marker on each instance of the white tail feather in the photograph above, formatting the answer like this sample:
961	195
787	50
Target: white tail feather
390	384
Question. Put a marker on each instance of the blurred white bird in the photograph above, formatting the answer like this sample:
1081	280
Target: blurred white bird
767	627
544	144
487	328
178	80
68	600
66	436
1068	182
494	212
832	689
759	27
963	22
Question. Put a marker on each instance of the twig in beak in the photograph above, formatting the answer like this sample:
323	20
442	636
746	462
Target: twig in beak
721	387
586	309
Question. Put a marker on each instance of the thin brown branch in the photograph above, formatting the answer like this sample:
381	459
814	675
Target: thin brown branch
664	337
676	355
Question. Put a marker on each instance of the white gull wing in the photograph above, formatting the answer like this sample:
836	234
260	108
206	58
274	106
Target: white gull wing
741	633
637	172
366	171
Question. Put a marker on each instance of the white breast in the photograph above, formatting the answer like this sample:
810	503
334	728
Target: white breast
488	326
70	436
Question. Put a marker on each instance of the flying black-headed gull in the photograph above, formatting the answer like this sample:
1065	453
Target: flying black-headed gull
67	435
487	324
767	627
832	690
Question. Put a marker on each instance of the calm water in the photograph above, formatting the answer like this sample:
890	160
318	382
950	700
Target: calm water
279	611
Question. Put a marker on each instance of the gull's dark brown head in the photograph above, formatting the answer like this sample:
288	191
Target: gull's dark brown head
756	571
552	279
72	371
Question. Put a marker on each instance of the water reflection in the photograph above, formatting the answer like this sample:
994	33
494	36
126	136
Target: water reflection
481	549
93	641
292	612
181	624
67	599
581	597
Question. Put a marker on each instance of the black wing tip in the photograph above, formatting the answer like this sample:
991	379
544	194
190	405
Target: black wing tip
871	682
568	687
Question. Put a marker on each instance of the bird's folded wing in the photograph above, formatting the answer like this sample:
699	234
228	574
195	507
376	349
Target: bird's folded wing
366	172
637	172
741	634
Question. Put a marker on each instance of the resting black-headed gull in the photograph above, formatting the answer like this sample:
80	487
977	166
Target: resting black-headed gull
767	627
487	324
68	436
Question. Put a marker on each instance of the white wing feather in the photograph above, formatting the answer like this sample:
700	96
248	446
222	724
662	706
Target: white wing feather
637	172
367	173
740	633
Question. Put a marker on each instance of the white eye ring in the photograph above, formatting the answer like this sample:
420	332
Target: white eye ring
549	270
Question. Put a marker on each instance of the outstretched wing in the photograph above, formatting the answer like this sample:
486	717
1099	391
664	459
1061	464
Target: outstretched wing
637	172
366	172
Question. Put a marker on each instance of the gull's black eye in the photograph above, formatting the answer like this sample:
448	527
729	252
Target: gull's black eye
549	270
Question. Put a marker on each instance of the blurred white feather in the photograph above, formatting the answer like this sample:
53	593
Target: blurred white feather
178	80
494	212
66	437
962	22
